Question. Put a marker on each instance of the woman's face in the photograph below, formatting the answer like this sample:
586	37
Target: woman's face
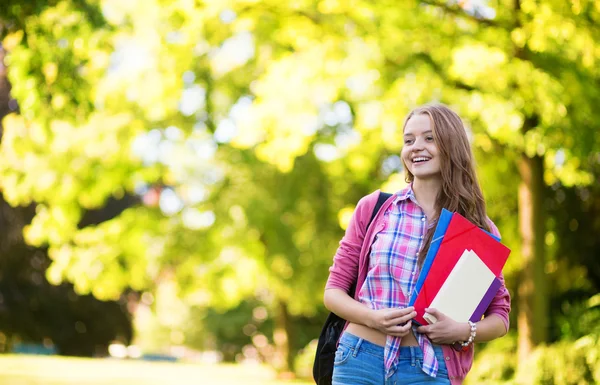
420	152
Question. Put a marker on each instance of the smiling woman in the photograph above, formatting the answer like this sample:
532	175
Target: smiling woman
384	259
420	151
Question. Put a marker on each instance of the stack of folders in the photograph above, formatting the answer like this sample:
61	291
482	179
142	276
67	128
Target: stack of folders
461	272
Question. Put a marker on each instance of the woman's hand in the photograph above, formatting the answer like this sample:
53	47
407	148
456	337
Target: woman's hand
393	322
445	330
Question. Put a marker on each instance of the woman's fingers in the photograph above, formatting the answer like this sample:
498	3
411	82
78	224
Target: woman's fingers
398	312
400	316
400	330
401	320
393	321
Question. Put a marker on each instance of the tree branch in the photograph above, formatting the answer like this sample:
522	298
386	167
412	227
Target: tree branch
458	11
426	58
110	210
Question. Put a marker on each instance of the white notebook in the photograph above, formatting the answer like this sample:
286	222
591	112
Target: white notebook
463	290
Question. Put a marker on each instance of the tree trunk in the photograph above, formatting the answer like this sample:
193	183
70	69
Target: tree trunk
4	88
12	220
532	319
283	337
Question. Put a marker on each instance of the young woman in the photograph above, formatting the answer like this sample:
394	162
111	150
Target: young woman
380	344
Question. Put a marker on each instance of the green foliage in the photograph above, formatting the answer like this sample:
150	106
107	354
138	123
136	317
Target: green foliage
573	264
239	333
495	363
563	363
262	123
35	311
578	319
87	104
305	360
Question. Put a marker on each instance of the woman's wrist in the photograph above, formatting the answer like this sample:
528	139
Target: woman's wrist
369	317
466	340
465	331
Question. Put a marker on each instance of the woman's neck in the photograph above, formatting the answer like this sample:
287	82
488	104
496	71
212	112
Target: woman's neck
426	193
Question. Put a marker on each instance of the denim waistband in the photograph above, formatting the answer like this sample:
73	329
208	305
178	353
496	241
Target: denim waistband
406	352
360	344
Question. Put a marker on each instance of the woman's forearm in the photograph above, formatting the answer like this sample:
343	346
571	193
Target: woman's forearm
489	328
340	303
448	331
393	321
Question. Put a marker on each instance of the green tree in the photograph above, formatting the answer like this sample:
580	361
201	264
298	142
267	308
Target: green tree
508	70
81	127
32	310
249	129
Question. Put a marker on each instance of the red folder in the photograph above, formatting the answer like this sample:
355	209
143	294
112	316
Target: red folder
461	235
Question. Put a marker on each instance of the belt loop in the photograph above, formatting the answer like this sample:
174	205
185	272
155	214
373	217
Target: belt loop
355	352
413	355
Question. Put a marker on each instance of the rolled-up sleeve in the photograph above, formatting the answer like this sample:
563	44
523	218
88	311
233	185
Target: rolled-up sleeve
500	305
344	271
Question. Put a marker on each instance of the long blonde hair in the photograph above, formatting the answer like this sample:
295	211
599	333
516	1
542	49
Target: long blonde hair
460	191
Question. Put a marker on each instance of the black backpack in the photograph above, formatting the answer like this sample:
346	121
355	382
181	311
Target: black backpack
333	327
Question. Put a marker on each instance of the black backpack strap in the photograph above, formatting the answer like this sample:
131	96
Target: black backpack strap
380	201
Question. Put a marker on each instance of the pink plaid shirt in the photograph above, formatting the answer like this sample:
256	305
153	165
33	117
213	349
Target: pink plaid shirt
351	265
393	272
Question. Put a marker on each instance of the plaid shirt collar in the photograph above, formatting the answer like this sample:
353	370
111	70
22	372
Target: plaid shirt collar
404	194
408	193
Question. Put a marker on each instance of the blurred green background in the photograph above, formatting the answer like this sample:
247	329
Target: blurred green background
176	176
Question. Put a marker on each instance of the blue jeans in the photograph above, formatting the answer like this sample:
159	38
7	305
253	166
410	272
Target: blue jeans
358	361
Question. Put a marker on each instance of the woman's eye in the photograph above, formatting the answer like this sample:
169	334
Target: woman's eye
430	138
408	141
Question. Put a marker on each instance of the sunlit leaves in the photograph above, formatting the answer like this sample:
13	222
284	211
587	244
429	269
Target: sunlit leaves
286	107
248	129
562	167
148	63
471	63
65	163
55	58
11	40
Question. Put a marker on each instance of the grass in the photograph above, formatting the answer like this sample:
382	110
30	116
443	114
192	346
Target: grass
53	370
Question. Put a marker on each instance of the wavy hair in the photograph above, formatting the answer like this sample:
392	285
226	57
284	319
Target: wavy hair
460	191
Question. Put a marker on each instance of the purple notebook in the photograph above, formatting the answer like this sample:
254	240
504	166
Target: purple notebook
486	300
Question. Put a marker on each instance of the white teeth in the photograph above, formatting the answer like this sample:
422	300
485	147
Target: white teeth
420	159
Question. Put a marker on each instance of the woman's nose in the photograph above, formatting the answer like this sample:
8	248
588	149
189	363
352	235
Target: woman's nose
418	145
